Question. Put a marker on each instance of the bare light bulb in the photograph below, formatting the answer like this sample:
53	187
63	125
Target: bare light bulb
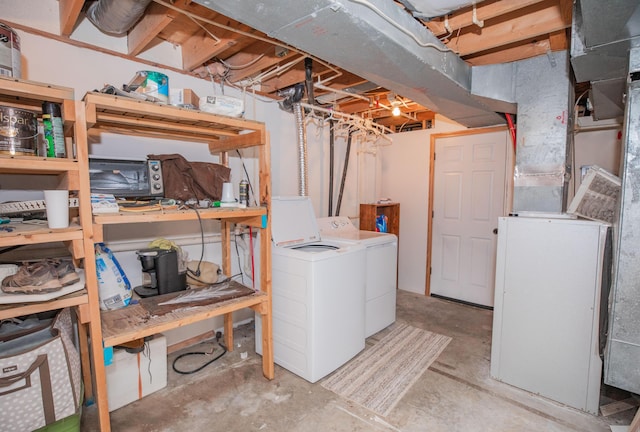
395	111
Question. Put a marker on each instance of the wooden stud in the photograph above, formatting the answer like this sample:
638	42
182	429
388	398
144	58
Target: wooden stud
464	17
155	19
69	13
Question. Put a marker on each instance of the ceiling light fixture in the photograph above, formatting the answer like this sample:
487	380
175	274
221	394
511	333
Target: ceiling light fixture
395	104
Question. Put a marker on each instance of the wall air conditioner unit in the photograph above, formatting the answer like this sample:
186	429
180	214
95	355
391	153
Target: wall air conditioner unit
222	105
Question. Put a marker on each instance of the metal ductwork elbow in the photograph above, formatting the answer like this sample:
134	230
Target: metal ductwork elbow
116	17
292	96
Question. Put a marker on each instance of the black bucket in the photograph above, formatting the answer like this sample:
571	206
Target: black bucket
18	131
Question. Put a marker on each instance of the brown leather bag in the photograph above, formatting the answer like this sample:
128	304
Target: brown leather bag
184	180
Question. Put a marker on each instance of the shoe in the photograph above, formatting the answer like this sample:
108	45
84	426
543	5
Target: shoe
65	270
37	278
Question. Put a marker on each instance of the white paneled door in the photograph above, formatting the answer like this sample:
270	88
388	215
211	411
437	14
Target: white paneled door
468	198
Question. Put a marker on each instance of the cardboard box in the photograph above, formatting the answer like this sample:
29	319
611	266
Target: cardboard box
184	98
133	376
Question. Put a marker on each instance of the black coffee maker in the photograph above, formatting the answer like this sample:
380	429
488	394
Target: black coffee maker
160	272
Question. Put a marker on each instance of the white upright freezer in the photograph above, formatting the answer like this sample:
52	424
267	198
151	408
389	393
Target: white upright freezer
546	311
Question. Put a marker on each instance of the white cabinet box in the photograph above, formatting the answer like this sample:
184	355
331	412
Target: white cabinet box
547	305
132	376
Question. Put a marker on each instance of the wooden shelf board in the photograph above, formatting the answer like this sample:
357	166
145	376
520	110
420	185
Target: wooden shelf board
134	322
21	309
133	116
24	233
23	91
36	165
251	216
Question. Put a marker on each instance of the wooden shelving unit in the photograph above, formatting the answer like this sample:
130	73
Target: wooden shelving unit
368	213
221	134
70	173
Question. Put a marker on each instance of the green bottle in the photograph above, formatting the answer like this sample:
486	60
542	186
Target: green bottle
53	129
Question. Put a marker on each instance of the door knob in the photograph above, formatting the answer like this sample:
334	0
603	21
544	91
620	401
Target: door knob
495	230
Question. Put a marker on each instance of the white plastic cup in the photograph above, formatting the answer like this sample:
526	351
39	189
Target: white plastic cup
57	205
227	193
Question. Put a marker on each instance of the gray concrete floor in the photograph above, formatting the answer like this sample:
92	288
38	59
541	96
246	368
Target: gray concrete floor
456	393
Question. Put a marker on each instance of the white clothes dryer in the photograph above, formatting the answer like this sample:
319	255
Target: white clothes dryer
318	292
381	268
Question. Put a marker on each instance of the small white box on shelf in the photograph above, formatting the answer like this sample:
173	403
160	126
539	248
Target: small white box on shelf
104	203
132	376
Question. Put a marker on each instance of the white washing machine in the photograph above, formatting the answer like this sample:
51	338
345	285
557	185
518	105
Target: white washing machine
318	290
381	268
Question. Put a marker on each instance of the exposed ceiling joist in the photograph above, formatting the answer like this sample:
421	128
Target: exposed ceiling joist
512	53
484	11
155	20
69	15
513	30
499	32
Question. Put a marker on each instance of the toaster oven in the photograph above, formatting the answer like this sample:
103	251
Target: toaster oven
126	178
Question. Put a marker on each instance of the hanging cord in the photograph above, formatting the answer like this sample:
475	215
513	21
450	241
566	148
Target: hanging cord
331	163
344	172
400	27
238	256
147	353
253	269
195	274
185	372
255	202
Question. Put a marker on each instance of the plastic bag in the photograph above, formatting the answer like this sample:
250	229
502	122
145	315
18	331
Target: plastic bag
114	288
381	223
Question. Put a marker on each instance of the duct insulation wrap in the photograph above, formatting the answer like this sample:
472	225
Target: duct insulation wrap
298	113
116	17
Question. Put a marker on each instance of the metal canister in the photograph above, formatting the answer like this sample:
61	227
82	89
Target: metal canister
152	84
243	192
18	131
10	60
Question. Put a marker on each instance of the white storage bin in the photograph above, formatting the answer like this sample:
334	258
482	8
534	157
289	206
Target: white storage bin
132	376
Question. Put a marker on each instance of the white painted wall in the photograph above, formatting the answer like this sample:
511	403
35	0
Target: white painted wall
598	143
405	179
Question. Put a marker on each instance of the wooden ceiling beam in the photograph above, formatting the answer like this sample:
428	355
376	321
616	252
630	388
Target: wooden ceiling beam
558	41
283	81
268	60
69	14
534	24
155	19
201	47
356	106
484	11
515	53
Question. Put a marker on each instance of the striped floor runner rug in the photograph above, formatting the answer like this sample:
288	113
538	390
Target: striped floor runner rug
379	376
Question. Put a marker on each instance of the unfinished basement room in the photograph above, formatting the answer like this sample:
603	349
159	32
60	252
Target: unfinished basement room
319	215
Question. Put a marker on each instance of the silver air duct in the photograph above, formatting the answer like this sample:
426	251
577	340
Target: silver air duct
377	40
291	103
116	17
298	113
